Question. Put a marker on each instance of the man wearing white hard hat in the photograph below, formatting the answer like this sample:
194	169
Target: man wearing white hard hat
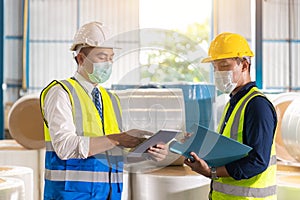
82	125
249	118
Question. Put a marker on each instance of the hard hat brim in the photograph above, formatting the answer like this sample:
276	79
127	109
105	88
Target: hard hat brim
206	60
210	59
74	47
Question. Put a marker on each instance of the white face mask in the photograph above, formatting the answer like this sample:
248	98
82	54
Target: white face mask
101	72
224	81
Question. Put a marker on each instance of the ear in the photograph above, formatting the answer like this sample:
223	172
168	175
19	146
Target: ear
245	66
79	59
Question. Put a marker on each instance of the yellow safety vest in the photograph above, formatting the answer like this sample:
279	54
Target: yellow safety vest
85	115
261	186
97	175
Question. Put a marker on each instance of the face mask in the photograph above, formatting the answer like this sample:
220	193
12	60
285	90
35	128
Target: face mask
224	81
101	72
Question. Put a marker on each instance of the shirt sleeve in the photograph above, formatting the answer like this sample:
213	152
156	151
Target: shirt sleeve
259	129
58	113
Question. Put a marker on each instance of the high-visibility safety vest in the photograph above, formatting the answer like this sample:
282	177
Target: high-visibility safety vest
98	176
261	186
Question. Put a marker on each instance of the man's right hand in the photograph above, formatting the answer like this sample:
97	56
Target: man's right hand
130	138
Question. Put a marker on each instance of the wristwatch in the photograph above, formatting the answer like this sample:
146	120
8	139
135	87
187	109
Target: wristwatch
213	173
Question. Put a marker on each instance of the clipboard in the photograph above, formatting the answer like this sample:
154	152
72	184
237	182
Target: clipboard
216	149
162	136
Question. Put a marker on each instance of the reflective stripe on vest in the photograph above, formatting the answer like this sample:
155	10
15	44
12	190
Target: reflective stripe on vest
115	103
236	122
258	186
244	191
82	176
78	114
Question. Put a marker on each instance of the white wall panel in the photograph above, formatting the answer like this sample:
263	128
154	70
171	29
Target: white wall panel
275	69
53	25
281	44
13	17
232	16
13	63
296	65
275	22
46	64
52	19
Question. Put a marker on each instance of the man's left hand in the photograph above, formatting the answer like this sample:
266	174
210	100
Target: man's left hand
198	165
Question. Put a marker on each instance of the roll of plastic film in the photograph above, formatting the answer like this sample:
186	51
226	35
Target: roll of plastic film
23	173
25	122
11	189
281	103
14	154
174	183
290	129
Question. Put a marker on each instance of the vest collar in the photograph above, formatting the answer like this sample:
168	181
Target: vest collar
88	87
242	92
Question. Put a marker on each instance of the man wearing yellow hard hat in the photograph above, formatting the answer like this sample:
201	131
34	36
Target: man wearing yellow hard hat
82	125
249	117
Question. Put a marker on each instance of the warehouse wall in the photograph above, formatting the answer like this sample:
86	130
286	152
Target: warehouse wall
281	37
51	27
13	32
281	44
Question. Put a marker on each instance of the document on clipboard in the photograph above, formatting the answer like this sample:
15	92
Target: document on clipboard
162	136
216	149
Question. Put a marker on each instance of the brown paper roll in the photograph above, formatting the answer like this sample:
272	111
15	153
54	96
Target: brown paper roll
25	122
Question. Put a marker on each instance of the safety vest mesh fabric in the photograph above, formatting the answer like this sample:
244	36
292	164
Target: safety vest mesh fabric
96	174
261	186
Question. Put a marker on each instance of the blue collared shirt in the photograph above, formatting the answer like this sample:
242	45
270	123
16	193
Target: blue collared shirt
260	122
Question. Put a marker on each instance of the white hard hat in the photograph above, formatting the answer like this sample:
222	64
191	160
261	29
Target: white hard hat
93	34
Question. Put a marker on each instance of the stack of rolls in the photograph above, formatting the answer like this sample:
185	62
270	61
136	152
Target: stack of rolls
14	154
25	124
11	189
24	174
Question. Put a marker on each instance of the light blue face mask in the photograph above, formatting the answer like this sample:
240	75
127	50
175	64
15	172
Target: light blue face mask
101	72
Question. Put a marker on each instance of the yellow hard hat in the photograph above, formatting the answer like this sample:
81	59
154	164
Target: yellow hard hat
93	34
228	45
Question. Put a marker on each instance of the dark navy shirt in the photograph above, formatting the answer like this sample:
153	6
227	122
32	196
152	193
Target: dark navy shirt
259	128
